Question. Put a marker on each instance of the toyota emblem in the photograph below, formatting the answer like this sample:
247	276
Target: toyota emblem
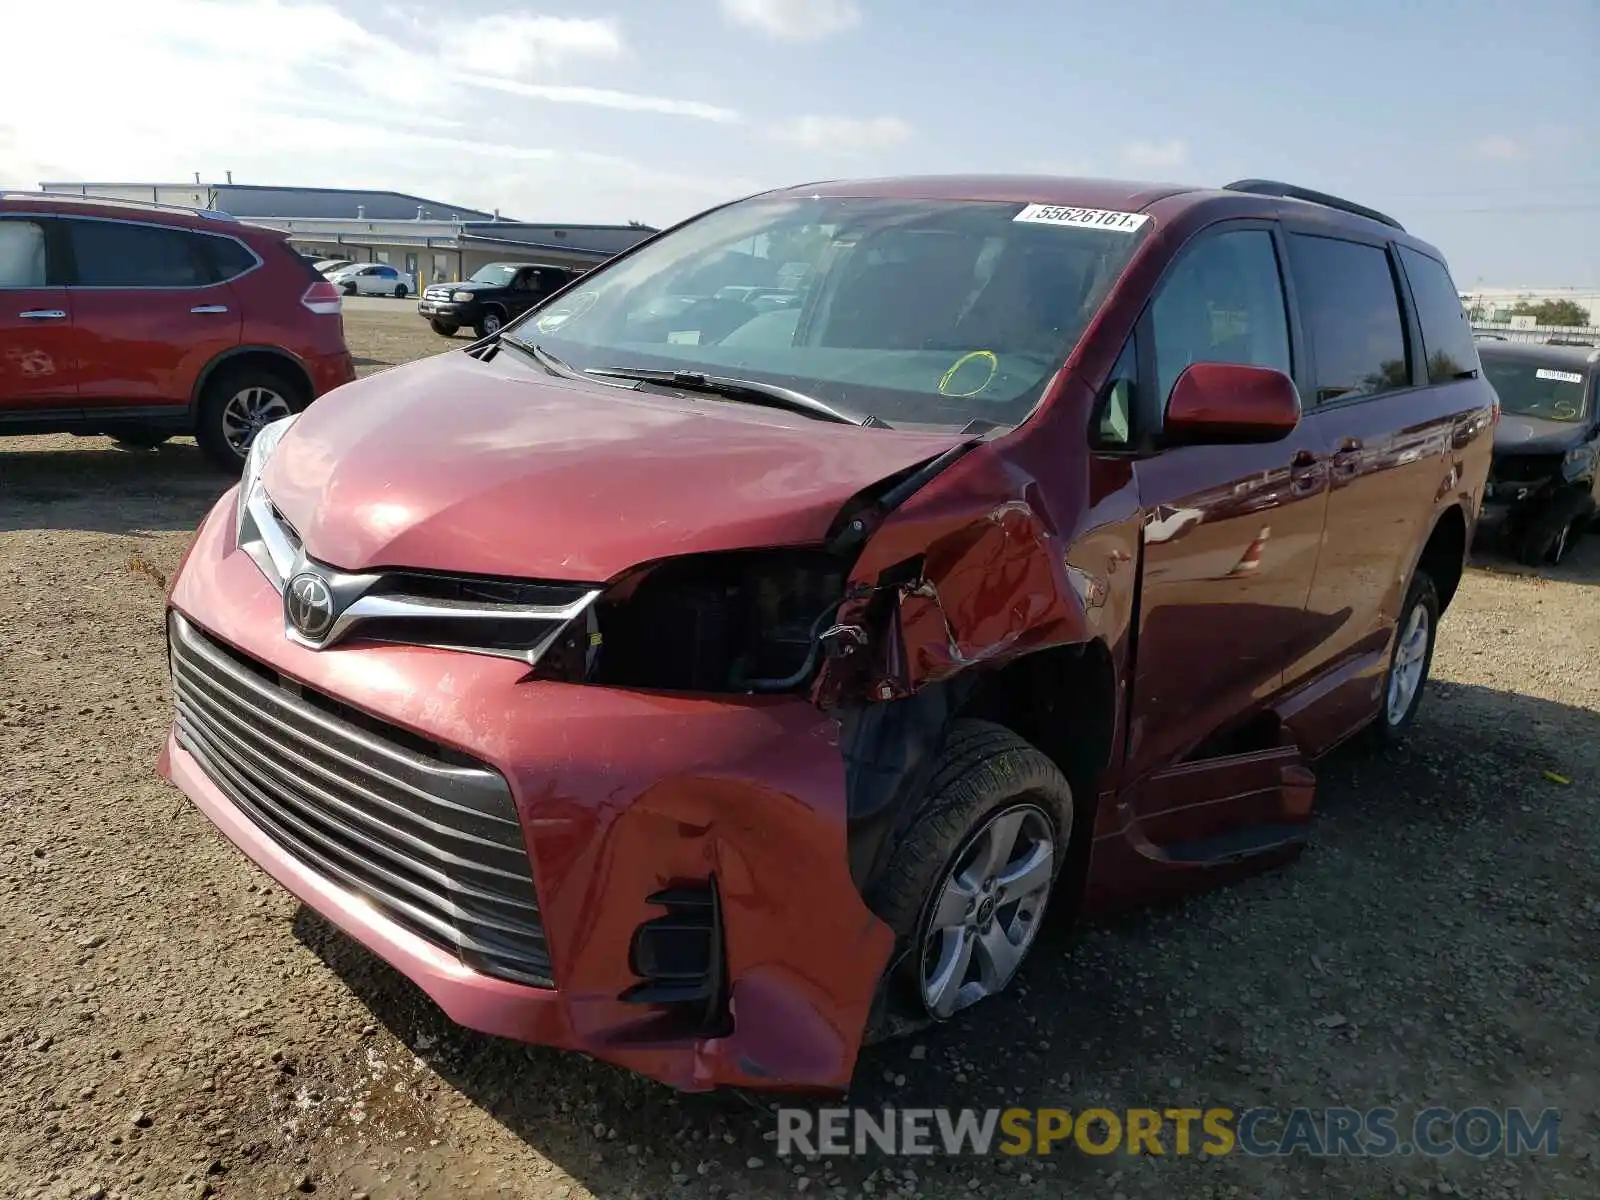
308	604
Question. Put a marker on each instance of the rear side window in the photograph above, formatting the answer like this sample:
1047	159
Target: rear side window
125	254
228	258
22	261
1351	312
1446	337
1222	303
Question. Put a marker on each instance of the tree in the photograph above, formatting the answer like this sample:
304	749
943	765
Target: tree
1552	312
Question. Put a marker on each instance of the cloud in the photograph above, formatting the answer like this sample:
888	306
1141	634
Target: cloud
602	98
300	92
514	45
1498	149
1156	156
848	134
794	20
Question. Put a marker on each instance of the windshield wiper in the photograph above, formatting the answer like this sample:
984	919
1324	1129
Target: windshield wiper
551	363
740	389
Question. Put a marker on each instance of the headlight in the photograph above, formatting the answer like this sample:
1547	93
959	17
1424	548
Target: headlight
267	439
739	621
461	297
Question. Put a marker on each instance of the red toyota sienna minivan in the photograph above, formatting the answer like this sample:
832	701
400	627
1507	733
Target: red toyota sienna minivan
728	661
141	321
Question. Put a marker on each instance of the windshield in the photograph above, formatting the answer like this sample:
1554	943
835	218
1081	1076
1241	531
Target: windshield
913	311
1531	390
498	274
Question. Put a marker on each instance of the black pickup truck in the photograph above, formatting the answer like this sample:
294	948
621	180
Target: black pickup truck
495	293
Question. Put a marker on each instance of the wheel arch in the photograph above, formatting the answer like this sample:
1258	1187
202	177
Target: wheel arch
1444	554
1062	700
239	357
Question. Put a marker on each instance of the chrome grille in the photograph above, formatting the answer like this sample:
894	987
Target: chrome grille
426	835
513	619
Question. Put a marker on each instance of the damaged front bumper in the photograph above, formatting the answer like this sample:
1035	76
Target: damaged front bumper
647	819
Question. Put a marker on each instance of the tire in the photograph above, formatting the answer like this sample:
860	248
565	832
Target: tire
138	439
1549	536
490	322
400	291
1399	700
986	777
350	289
444	328
235	404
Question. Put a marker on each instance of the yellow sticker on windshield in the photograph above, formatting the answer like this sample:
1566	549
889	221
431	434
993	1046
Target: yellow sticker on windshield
955	369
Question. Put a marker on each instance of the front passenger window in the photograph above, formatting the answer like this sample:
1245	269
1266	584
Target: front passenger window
1223	303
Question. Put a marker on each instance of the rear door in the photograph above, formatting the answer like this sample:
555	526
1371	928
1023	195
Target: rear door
151	310
1232	532
1388	405
38	350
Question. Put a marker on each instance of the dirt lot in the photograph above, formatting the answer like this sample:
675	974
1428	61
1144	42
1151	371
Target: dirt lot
175	1025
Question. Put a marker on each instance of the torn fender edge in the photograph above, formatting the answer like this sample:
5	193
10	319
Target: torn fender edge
986	588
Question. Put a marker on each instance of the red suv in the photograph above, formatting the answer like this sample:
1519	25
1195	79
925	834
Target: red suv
143	321
728	660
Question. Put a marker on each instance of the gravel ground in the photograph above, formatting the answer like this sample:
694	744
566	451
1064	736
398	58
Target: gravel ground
176	1025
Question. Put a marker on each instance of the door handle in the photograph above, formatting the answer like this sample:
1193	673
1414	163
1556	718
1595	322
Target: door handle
43	314
209	308
1349	445
1303	459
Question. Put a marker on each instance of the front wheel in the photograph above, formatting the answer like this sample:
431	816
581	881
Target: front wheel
489	324
444	328
1409	661
966	889
349	289
236	406
400	291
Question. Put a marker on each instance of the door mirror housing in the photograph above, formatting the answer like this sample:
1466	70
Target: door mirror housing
1222	403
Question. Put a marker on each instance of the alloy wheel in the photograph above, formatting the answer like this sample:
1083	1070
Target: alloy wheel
247	412
986	910
1410	658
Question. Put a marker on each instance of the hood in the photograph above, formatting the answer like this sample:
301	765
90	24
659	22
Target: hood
499	468
1518	434
470	285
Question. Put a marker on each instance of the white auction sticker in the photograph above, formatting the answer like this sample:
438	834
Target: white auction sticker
1559	376
1088	218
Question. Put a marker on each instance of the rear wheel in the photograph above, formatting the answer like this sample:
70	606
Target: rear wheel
1409	661
966	889
236	406
445	328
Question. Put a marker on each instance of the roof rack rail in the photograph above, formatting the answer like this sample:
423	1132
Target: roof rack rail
212	214
1288	191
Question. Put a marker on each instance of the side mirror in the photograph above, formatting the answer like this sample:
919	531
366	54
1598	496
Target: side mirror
1219	403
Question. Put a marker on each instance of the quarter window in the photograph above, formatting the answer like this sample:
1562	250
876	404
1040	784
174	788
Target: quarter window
1446	337
124	254
228	257
22	261
1223	303
1352	316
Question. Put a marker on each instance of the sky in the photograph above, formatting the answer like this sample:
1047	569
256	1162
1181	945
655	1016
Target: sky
1476	124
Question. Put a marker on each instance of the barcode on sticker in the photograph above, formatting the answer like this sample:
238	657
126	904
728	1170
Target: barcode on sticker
1088	218
1559	376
